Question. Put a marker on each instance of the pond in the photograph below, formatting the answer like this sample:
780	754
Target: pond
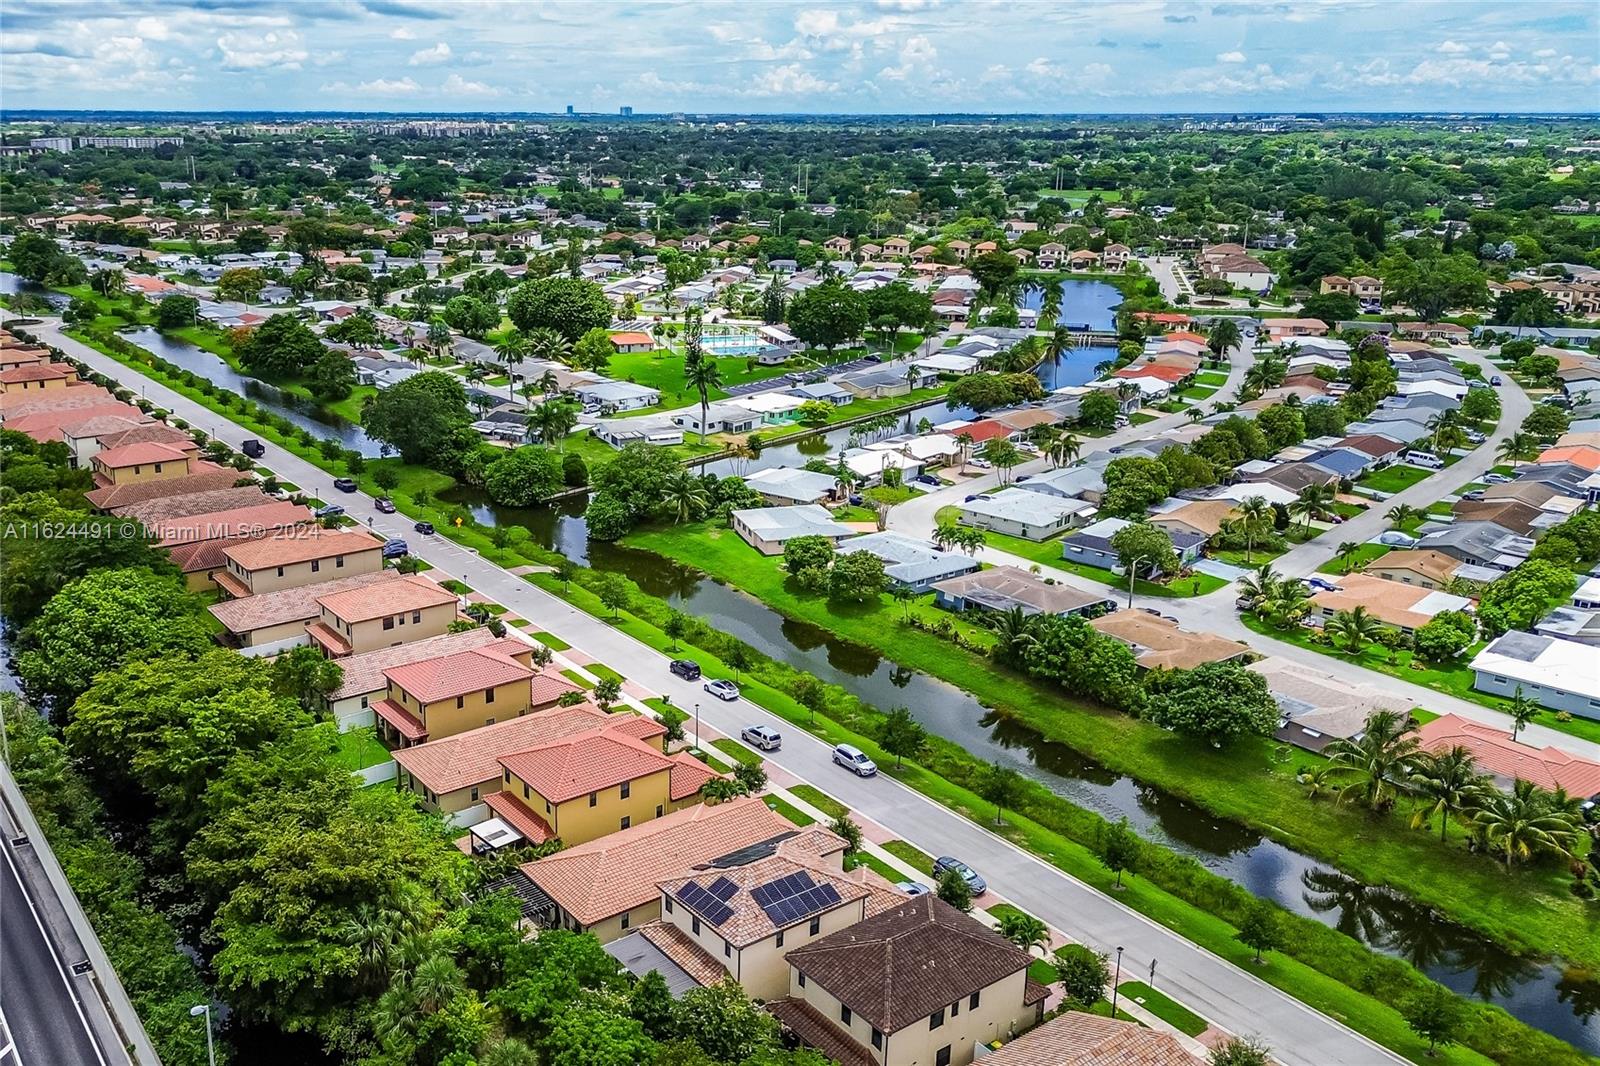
15	285
1538	992
302	412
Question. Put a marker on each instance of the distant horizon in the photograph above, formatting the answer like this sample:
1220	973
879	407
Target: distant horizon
23	114
809	57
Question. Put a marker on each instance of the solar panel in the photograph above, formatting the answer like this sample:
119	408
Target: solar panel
723	889
791	898
709	907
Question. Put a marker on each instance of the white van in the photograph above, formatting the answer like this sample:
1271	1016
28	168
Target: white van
1424	459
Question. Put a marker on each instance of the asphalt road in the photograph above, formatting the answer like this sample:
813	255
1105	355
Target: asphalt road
1227	995
39	1004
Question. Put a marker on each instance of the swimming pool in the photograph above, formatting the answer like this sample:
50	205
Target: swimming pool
732	343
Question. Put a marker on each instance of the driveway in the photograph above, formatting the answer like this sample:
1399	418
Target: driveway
1227	995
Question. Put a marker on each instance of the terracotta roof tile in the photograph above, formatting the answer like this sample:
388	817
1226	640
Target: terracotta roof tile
618	872
749	921
519	816
1078	1039
573	766
364	673
462	672
814	1030
231	524
154	512
1158	643
898	967
302	546
408	724
473	757
676	945
412	592
36	372
297	604
1506	759
203	477
142	452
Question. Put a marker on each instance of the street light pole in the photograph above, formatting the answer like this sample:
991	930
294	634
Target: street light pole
697	727
1114	981
195	1012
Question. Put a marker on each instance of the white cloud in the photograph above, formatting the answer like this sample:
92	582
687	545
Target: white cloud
456	85
376	87
403	33
789	80
916	60
1230	57
1454	48
1545	53
249	51
429	57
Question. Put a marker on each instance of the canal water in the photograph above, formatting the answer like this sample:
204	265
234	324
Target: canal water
1540	993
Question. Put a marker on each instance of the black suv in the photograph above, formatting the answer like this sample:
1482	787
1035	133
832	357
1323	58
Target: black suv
686	669
344	484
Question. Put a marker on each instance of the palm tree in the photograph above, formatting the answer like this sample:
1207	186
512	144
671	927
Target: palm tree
1061	339
512	349
1314	501
1224	335
1050	305
1522	710
1521	824
545	343
687	494
1065	448
1347	551
1517	448
1377	762
1255	519
436	982
439	336
1290	603
1024	930
702	374
1353	628
1401	514
1446	784
1013	632
1260	588
553	420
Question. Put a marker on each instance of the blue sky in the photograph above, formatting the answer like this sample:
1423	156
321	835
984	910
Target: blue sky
888	56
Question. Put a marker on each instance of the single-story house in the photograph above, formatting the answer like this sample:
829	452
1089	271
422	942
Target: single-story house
837	395
768	529
1092	545
1406	607
719	418
1508	760
630	341
617	395
1316	709
783	485
1559	674
1081	482
1159	644
1424	569
1004	588
1200	517
908	562
1019	513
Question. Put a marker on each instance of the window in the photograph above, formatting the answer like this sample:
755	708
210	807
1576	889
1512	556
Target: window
363	702
666	902
626	821
627	788
694	925
802	978
488	721
280	571
972	1001
316	565
658	810
507	776
943	1057
338	562
547	806
461	701
877	1038
594	798
416	617
936	1019
625	921
780	938
524	790
474	797
844	1014
955	1009
158	465
388	623
488	695
727	949
816	925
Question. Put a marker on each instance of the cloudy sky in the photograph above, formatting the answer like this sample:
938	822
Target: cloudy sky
888	56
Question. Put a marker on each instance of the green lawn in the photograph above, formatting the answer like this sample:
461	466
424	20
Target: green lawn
1393	479
577	678
736	751
460	588
1213	378
1365	555
789	811
1043	971
875	864
550	640
821	800
604	672
1196	393
359	749
910	855
1164	1007
663	369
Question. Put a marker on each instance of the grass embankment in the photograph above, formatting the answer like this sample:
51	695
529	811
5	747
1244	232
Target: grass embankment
1164	1007
1452	679
1364	555
1252	782
1176	892
1393	479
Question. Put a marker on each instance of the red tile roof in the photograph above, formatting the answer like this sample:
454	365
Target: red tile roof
986	429
403	720
1578	454
236	522
36	372
203	477
467	671
364	673
143	452
412	592
577	765
1170	374
328	639
473	757
301	546
1077	1039
1498	754
297	604
519	816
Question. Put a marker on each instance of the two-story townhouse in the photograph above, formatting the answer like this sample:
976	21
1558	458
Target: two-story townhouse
919	985
37	377
396	612
289	560
131	464
441	697
273	622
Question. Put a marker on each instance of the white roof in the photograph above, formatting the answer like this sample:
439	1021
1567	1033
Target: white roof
1549	662
948	364
777	334
1030	508
768	403
1589	590
867	462
790	482
799	520
1437	388
1147	386
1246	489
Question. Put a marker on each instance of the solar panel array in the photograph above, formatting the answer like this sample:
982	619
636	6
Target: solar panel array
723	889
709	907
789	899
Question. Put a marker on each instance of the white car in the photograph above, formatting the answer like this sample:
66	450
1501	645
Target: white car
762	737
855	760
723	689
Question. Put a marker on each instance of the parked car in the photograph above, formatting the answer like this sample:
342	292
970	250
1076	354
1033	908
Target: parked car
760	736
333	510
1396	539
253	448
687	669
1423	459
1023	477
855	499
1493	478
974	496
395	548
913	888
927	479
981	464
384	505
722	689
344	484
1474	495
1495	380
945	862
1322	585
855	760
425	528
1121	422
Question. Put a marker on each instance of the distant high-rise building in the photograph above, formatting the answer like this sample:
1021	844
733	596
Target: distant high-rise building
569	109
627	112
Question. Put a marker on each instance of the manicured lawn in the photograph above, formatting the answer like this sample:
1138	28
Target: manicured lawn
1211	377
821	800
663	369
601	670
1043	971
1394	479
359	749
550	640
890	496
1162	1006
910	855
1198	392
1365	555
735	751
789	811
460	588
577	678
875	864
